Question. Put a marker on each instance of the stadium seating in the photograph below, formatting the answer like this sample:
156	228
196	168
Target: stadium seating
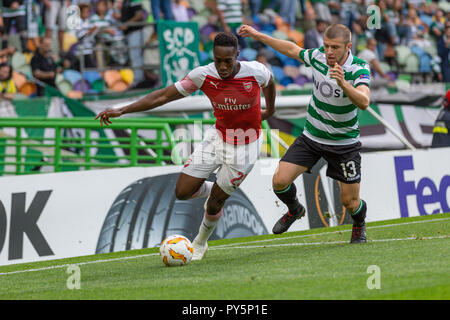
409	58
63	84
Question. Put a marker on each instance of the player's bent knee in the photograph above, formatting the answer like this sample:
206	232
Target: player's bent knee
279	183
181	194
350	203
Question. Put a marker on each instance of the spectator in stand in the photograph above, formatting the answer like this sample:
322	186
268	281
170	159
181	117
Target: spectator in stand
387	34
69	61
427	9
230	14
335	9
86	37
322	9
443	46
3	34
403	30
157	6
179	11
33	16
108	36
55	18
379	79
116	7
164	6
2	30
399	7
363	4
414	22
349	13
131	12
7	86
13	12
101	19
309	20
6	54
302	6
43	65
288	9
359	32
437	27
314	37
230	17
255	8
118	50
419	39
272	4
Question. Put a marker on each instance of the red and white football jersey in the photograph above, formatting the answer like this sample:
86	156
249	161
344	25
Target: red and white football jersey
236	101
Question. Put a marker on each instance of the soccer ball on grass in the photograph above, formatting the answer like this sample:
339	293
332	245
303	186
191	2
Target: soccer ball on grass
176	250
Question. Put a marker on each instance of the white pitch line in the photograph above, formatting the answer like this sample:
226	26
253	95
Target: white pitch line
218	248
327	233
80	263
237	246
328	242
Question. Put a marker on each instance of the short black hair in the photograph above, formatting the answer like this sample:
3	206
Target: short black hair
226	39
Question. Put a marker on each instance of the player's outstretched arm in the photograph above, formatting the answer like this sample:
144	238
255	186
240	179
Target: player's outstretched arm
269	95
151	101
287	48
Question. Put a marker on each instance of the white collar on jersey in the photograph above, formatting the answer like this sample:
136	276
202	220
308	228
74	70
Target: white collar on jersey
349	60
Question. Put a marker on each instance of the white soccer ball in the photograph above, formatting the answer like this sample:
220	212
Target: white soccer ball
176	250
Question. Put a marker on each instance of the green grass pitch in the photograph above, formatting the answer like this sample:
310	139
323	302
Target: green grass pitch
412	254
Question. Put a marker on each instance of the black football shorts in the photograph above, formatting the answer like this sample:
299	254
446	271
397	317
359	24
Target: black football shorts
344	162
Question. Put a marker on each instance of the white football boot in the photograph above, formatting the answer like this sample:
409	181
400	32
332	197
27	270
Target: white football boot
199	250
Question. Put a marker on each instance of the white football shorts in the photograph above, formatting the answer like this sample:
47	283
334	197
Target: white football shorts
234	161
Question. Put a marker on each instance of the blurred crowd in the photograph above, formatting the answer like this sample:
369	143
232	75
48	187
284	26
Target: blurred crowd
53	41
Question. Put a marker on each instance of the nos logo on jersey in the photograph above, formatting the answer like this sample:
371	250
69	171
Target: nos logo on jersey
248	86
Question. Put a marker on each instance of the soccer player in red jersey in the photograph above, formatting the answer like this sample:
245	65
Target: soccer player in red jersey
233	144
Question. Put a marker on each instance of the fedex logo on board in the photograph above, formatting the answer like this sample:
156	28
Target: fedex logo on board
426	191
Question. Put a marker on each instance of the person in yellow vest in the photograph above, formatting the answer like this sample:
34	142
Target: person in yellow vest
7	86
441	130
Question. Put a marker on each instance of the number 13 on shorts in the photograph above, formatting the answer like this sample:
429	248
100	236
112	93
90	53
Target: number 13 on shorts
349	169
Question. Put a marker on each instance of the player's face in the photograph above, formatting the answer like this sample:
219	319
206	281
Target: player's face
335	50
225	59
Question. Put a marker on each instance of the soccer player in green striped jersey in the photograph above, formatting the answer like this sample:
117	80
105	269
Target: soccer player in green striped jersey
341	87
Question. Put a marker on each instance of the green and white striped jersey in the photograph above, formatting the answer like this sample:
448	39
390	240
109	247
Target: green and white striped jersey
232	10
332	118
11	13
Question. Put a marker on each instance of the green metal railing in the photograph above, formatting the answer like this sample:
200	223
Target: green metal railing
33	145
